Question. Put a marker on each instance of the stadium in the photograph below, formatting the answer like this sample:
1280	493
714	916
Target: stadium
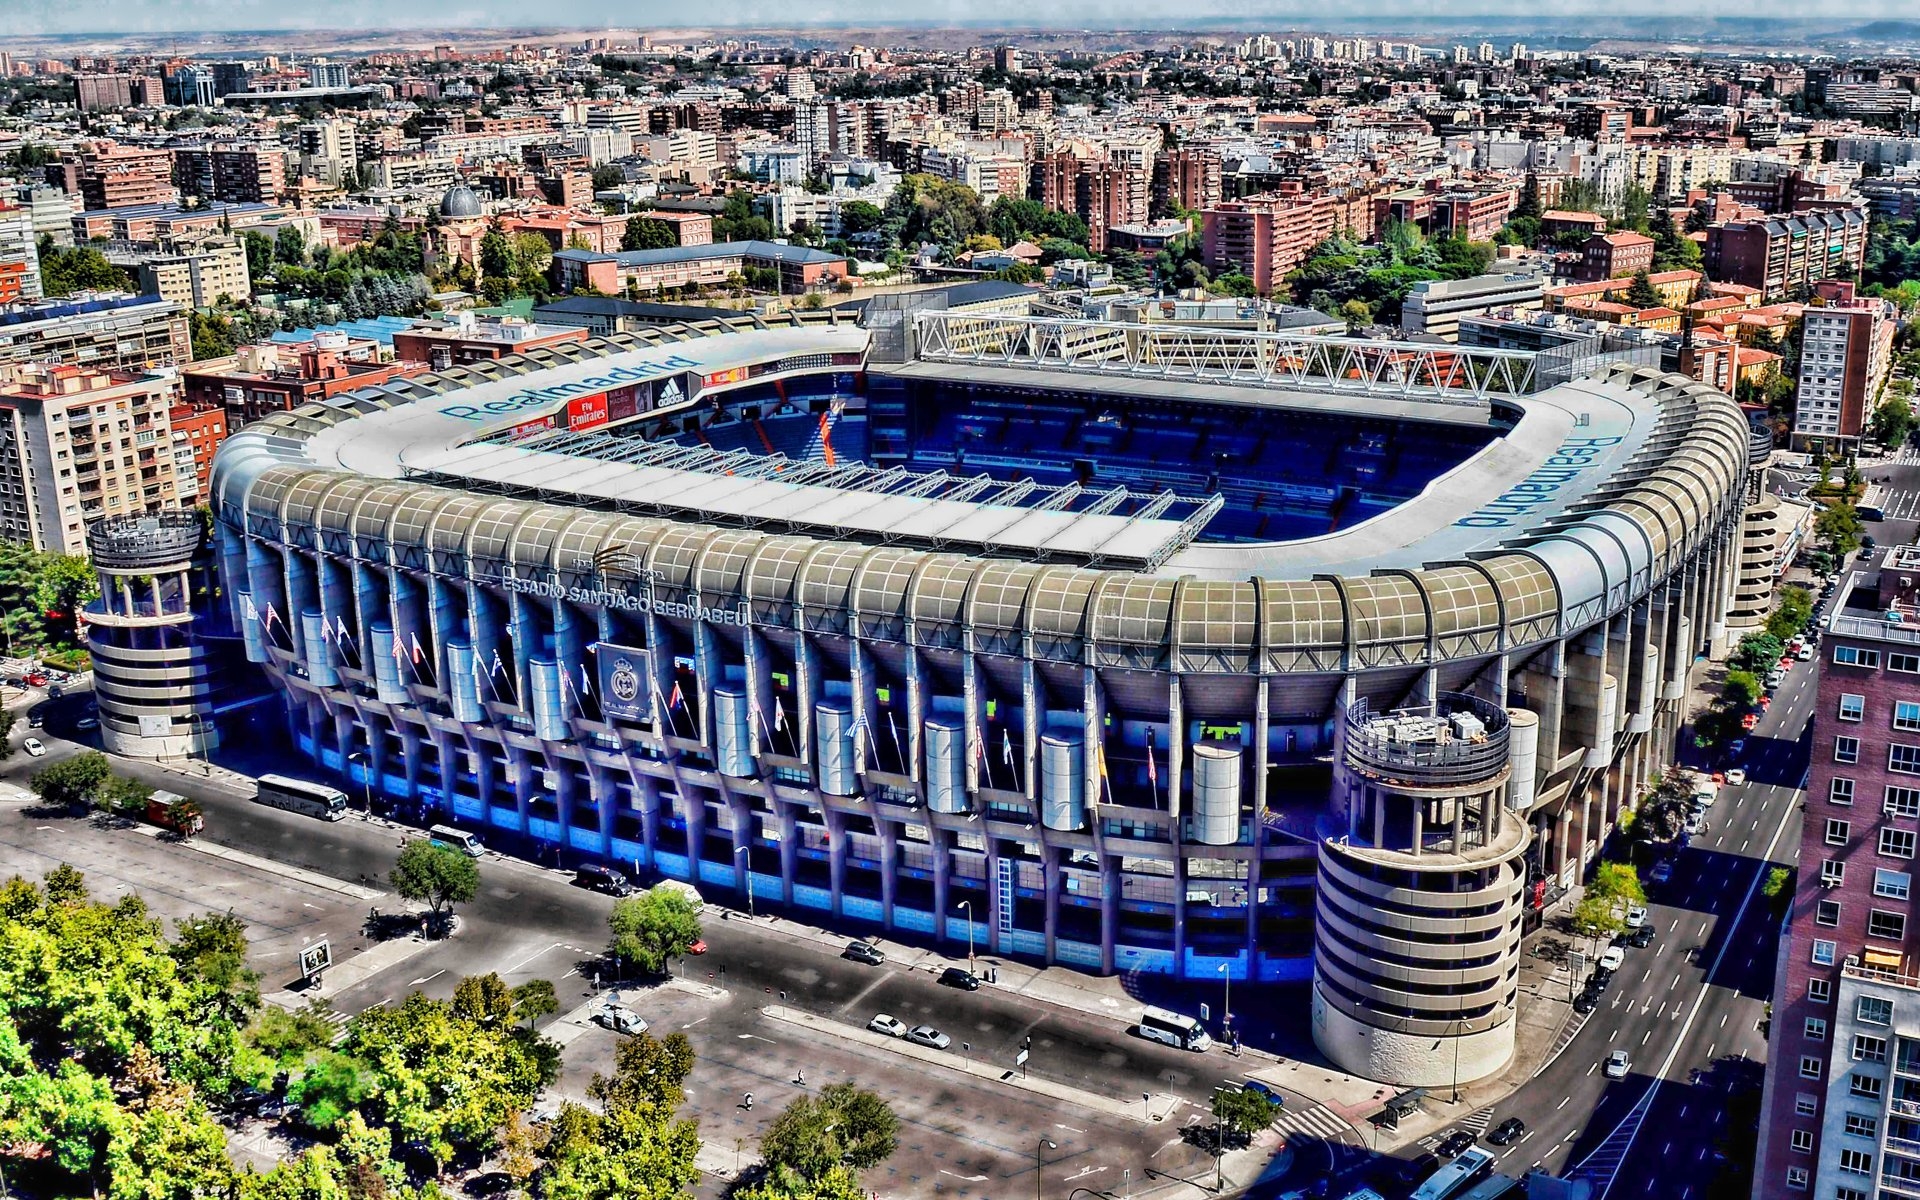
1194	652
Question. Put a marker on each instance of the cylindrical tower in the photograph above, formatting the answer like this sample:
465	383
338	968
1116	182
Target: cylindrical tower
161	643
1417	925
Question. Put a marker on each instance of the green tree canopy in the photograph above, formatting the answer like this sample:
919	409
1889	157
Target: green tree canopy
648	233
638	1146
1243	1110
72	782
437	876
652	927
1641	293
844	1125
1839	529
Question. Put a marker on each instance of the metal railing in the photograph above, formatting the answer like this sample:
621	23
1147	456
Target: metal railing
1437	373
1371	746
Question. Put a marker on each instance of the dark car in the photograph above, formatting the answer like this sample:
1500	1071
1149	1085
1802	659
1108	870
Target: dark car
603	880
959	977
1509	1130
1262	1088
1456	1143
1586	1001
1641	938
864	952
1419	1169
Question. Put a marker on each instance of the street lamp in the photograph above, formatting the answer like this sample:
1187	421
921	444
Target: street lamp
968	905
366	776
1045	1143
746	876
1226	1002
199	722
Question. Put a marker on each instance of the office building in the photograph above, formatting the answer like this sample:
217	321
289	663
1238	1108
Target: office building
19	244
1436	306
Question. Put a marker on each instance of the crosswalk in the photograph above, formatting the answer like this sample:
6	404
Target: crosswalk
1316	1121
1475	1123
1569	1029
1900	505
338	1020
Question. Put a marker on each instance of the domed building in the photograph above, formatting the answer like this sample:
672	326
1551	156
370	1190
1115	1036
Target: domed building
460	201
463	222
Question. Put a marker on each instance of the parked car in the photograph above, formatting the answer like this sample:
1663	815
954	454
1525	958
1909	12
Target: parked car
1661	873
1804	654
1586	1001
1456	1143
602	879
1776	677
960	977
865	952
87	721
1736	777
1640	938
1618	1064
1507	1131
888	1024
697	946
620	1019
1263	1088
1696	821
928	1036
37	679
33	747
1636	916
1612	959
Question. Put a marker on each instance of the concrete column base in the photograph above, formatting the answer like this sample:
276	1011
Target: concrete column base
1407	1059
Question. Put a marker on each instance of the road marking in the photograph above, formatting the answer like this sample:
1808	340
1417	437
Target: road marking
1645	973
1723	1020
1711	1047
1068	1128
691	1024
1645	1036
1565	1102
427	978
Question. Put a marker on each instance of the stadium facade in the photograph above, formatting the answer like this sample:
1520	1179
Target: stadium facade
1224	655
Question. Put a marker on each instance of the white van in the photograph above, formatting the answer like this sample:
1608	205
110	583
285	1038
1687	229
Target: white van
456	839
1704	794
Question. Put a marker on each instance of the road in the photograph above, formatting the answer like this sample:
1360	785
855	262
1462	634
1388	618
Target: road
1689	1009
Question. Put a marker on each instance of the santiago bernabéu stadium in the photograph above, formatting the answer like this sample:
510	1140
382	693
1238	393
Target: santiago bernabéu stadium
1132	647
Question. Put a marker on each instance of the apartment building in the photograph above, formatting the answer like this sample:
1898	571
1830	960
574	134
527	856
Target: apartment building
1783	257
105	175
197	433
115	332
19	245
1841	1110
1102	189
1189	177
244	172
1614	255
77	444
192	278
1846	350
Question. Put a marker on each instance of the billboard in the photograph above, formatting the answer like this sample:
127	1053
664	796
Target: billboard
625	691
587	412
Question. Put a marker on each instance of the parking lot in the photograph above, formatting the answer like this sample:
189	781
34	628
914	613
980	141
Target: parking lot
961	1134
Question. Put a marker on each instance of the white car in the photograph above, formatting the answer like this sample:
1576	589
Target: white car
1636	916
32	746
1737	777
1618	1064
1804	654
1613	958
928	1036
890	1025
620	1019
1695	823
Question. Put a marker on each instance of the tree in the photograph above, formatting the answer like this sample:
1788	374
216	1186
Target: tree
123	796
1794	608
496	255
80	269
1742	688
1618	882
1641	293
1892	421
484	999
285	1038
843	1126
1839	529
1597	916
1243	1111
859	216
212	335
606	177
259	248
1356	314
437	876
6	735
290	246
329	1088
648	233
534	999
213	950
73	782
648	929
785	1183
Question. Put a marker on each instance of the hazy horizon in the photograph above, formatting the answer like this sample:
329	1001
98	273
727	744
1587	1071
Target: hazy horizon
33	18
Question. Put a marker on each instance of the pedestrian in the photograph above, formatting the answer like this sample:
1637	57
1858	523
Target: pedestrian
799	1078
748	1102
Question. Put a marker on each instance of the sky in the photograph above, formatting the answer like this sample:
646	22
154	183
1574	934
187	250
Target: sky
27	18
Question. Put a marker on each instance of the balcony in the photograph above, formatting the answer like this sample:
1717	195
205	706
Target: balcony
1900	1185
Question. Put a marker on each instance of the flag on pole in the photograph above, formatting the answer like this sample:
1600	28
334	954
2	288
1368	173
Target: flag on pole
1006	747
674	698
476	680
779	717
1100	757
327	634
586	688
758	724
893	727
272	616
418	653
1153	775
251	613
862	744
986	767
399	651
497	666
339	625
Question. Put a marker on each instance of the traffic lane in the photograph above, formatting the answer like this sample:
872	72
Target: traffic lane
1085	1052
